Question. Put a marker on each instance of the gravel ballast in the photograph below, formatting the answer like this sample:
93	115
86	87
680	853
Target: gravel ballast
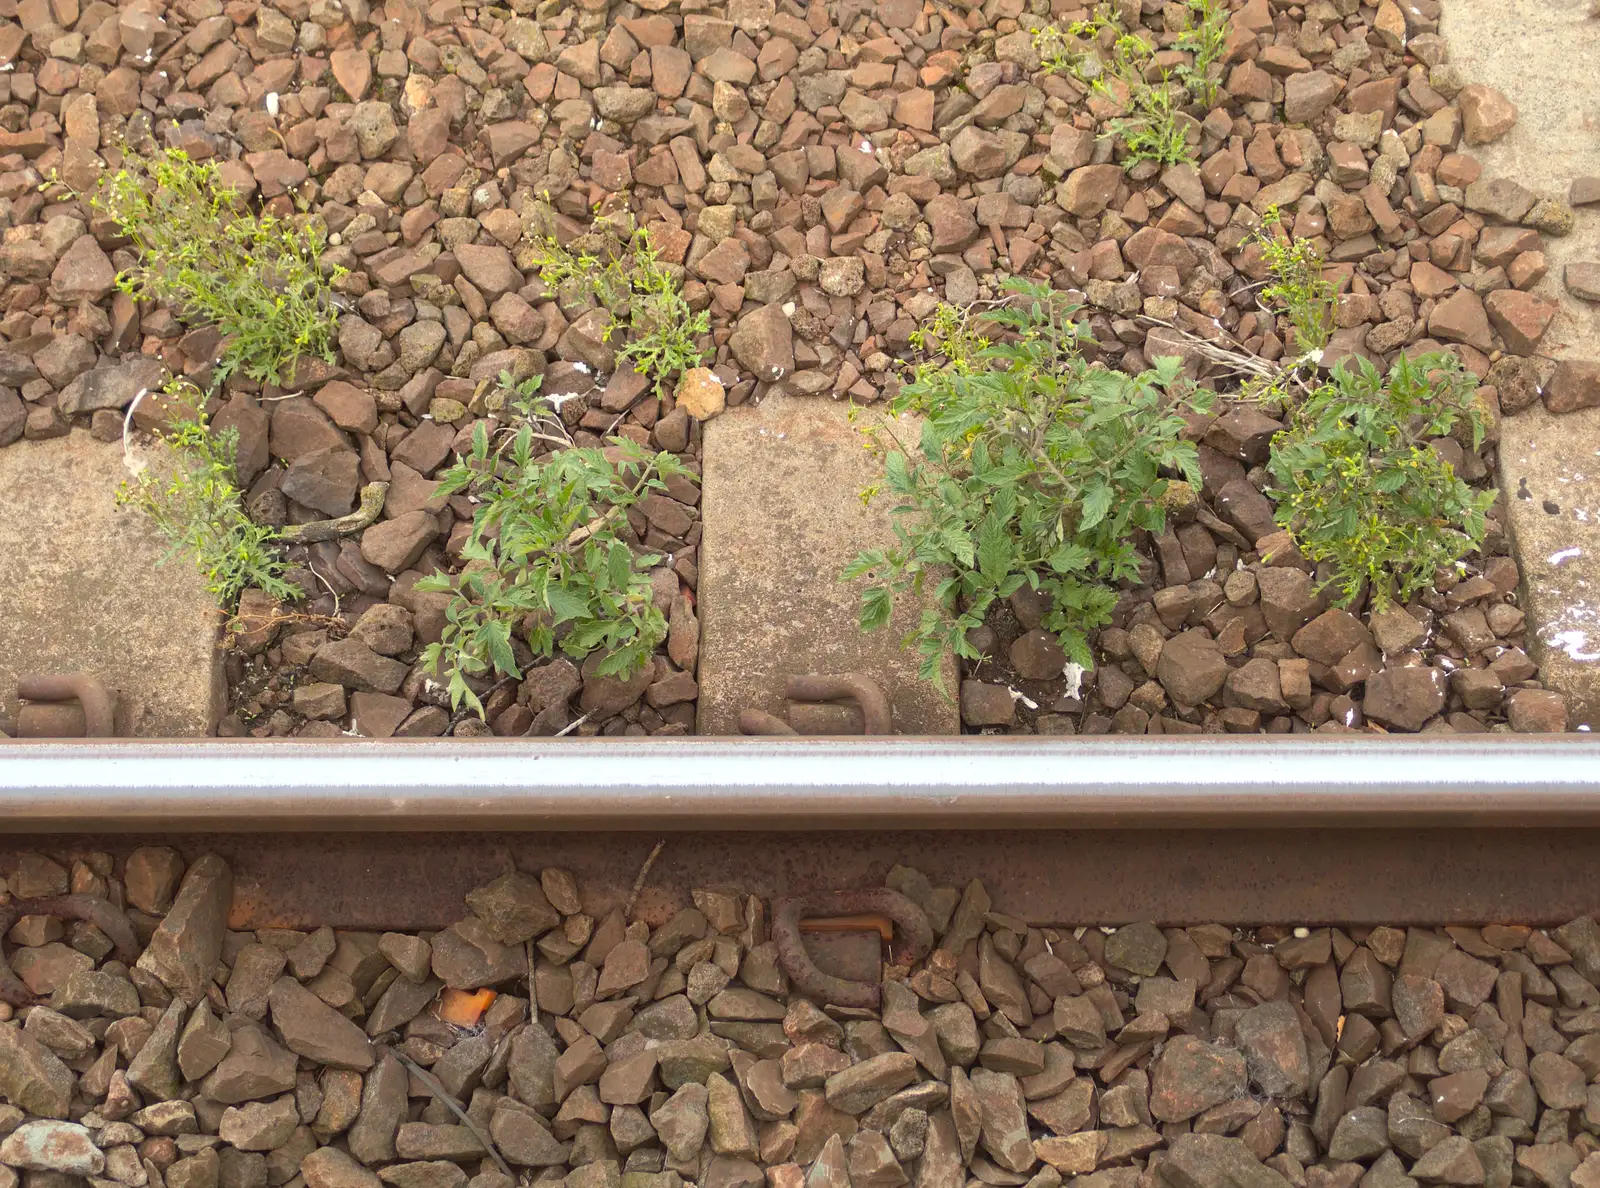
617	1053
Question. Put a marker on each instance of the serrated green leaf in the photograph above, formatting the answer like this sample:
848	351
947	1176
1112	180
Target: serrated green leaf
897	473
1097	499
994	548
877	604
565	604
588	635
619	563
957	544
495	636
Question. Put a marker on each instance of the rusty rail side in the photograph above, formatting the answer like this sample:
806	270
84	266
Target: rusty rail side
418	880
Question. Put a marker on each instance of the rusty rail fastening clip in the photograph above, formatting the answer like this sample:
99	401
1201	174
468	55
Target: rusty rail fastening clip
876	715
915	933
50	720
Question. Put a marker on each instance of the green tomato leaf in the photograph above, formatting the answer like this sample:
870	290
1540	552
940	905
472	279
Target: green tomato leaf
495	637
1097	500
994	548
877	604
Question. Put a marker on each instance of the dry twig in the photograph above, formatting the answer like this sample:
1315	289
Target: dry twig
434	1087
644	873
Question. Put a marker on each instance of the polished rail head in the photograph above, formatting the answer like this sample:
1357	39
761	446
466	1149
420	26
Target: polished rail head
700	783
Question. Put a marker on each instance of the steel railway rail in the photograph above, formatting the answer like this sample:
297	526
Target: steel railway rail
391	834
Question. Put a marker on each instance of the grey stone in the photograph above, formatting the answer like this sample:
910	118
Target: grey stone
1215	1161
53	1146
1274	1049
187	944
111	385
31	1076
763	342
313	1029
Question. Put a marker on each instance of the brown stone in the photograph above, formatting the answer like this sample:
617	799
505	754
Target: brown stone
1536	711
1501	198
84	273
313	1029
489	268
1461	318
1308	95
352	70
951	221
1192	668
1331	636
1191	1075
1089	190
763	342
1520	318
394	545
1582	278
1404	698
1486	114
1574	384
1274	1046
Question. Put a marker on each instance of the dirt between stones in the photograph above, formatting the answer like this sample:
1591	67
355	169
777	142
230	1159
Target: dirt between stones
624	1053
825	173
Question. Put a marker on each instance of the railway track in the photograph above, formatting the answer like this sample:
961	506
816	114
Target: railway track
392	835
